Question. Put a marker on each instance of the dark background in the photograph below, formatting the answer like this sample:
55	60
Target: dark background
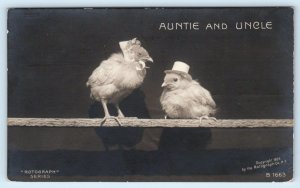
52	52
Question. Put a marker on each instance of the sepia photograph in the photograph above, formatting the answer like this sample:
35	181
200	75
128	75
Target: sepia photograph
154	94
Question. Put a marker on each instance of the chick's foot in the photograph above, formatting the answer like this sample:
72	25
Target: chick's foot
207	117
110	117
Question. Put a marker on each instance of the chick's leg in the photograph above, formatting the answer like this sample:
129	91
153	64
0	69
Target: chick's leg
107	115
104	105
120	114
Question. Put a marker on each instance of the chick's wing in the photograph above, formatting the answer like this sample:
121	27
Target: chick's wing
107	72
201	95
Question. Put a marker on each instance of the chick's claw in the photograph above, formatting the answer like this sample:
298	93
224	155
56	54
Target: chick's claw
110	117
213	118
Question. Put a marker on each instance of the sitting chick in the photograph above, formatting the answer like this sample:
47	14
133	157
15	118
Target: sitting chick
185	98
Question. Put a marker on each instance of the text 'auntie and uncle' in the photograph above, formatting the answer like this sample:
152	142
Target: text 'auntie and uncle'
188	26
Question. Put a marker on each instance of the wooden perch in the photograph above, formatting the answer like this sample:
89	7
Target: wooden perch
134	122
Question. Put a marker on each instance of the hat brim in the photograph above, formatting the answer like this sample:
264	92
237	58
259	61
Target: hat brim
183	74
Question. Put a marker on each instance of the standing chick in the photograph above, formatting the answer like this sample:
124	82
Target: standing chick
115	78
185	98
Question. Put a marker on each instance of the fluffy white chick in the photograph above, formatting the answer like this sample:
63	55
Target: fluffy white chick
116	77
184	98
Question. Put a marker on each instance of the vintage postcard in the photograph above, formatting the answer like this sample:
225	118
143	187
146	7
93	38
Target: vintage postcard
150	94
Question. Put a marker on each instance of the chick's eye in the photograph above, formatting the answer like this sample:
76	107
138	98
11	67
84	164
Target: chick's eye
175	79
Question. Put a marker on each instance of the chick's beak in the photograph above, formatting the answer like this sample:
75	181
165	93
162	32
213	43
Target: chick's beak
149	59
163	84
